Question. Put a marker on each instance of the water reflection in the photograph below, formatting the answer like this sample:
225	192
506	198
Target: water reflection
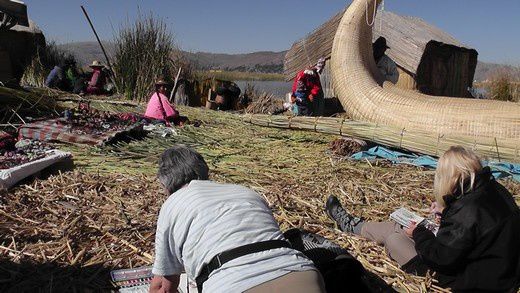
277	88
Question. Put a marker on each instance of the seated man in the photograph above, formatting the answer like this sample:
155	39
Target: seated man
56	78
159	108
222	235
385	64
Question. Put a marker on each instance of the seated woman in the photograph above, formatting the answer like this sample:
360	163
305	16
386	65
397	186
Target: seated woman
96	85
159	108
477	247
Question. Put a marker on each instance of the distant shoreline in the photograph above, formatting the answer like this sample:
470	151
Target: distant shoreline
239	75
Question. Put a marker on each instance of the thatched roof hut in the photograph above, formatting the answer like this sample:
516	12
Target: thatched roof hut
429	60
19	40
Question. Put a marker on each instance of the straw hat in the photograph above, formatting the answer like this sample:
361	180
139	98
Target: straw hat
161	81
96	63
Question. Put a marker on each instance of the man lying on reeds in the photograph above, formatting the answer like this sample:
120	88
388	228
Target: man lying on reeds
224	236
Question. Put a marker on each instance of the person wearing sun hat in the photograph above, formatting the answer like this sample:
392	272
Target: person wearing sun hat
98	80
159	108
385	64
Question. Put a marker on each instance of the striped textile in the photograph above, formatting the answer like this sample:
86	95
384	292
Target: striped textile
59	130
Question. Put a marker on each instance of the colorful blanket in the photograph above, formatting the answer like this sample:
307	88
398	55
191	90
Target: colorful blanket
60	130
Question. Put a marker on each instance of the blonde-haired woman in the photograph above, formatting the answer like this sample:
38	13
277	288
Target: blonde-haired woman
477	247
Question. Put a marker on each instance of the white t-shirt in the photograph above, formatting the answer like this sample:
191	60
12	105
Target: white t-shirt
205	218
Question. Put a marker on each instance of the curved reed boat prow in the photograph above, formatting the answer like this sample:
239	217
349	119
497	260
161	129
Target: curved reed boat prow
357	83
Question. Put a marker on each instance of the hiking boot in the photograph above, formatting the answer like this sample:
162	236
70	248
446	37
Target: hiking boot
346	222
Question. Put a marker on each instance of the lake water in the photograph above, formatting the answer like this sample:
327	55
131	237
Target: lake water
277	88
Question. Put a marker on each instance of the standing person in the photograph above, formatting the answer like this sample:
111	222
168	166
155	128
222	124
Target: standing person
98	80
477	247
307	93
222	235
385	64
159	108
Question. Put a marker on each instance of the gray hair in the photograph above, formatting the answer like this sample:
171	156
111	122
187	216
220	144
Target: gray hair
179	165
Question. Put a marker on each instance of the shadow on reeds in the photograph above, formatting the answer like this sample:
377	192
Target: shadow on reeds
52	277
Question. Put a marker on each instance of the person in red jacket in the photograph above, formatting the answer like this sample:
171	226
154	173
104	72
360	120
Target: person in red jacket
307	93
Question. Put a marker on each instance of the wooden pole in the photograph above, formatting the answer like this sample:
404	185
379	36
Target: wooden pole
100	44
175	84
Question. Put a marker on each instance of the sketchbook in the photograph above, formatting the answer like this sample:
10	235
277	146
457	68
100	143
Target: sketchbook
137	280
404	217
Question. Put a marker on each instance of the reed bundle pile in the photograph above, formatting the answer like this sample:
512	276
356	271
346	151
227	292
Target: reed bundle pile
413	140
79	225
39	103
15	105
347	146
265	104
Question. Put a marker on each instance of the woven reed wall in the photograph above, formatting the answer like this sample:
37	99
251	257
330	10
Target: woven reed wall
446	70
326	81
406	80
307	51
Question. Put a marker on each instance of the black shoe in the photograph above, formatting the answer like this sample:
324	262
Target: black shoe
346	222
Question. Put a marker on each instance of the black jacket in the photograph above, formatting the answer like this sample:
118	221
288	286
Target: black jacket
477	247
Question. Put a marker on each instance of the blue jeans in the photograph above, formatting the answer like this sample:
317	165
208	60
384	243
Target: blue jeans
302	106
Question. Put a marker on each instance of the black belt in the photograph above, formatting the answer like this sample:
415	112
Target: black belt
218	260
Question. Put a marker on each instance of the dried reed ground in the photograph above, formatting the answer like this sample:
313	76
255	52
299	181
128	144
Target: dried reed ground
68	231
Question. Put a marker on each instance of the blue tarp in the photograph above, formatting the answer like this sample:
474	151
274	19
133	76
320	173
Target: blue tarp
499	169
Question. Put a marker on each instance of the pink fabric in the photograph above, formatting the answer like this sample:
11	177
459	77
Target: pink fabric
95	79
154	109
96	83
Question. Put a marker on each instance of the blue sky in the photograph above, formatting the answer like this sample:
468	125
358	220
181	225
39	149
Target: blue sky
242	26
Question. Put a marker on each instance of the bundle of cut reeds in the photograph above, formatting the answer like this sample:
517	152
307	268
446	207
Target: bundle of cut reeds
265	104
413	140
